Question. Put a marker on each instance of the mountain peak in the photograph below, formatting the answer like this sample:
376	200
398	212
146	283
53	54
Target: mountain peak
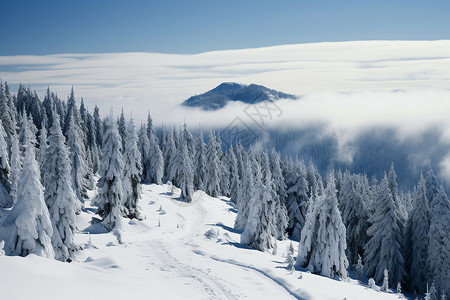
225	92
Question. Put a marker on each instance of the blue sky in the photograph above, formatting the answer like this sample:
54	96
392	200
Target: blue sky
49	27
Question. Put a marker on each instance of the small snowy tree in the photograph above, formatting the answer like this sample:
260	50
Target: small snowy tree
245	193
132	172
385	286
213	167
359	267
185	173
28	222
110	190
200	178
58	194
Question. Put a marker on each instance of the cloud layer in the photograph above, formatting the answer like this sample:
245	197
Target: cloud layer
349	86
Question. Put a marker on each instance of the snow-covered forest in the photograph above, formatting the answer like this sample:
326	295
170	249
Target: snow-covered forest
54	153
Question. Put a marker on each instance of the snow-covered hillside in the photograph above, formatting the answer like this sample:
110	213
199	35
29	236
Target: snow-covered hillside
168	256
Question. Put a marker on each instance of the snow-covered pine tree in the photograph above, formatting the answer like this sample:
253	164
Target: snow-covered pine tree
185	172
234	174
132	172
122	128
213	167
169	157
314	179
110	191
28	222
322	244
5	184
439	242
355	213
245	193
393	187
260	228
77	156
431	185
384	250
43	145
144	149
418	228
297	198
98	126
16	166
5	115
156	167
200	178
59	196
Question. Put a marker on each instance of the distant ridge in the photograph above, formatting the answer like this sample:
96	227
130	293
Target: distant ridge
232	91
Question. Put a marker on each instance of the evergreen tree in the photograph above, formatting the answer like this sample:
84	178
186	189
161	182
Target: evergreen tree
5	115
234	175
185	173
439	242
42	148
418	228
132	172
322	244
110	191
212	167
169	157
5	187
245	193
58	194
98	126
16	167
431	185
77	156
144	149
156	167
385	245
355	214
200	178
122	128
28	222
297	199
259	230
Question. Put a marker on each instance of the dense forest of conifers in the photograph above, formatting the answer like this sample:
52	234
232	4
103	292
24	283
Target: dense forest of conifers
53	151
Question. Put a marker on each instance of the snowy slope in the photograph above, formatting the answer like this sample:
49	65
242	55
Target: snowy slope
168	256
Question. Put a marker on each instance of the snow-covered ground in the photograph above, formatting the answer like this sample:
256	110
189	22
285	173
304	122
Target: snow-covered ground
168	256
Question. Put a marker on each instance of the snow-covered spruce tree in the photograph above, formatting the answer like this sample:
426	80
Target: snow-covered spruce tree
200	178
144	149
156	167
384	250
43	145
418	227
77	156
132	172
314	179
59	196
234	174
5	115
5	187
16	166
393	188
355	214
122	128
259	230
28	222
185	173
439	242
110	191
98	126
322	244
212	167
297	198
431	185
245	193
169	157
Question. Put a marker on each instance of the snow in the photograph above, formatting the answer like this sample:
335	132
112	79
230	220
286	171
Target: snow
172	261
